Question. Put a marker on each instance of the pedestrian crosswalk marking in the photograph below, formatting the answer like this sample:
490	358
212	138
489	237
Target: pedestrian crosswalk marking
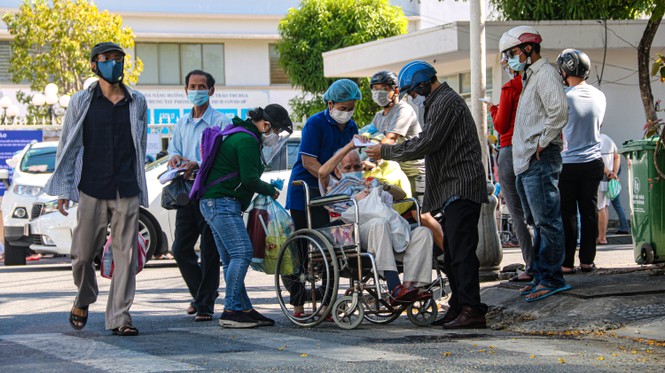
302	346
98	355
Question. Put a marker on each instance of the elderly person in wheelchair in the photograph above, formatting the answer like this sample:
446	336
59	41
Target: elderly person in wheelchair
343	174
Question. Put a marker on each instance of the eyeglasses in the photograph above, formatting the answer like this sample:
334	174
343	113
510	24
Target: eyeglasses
510	53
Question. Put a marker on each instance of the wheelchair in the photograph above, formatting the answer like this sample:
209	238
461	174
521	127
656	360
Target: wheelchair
312	264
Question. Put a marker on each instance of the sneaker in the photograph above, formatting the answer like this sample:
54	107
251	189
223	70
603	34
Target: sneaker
262	320
237	320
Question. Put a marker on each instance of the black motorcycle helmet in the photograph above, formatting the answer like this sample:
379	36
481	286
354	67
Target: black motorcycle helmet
574	63
385	77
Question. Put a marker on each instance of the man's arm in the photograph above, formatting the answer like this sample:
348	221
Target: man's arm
443	120
550	90
175	146
327	168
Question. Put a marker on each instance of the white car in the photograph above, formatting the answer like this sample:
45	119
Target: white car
52	232
32	167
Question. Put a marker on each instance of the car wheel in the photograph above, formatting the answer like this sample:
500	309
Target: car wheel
148	229
15	255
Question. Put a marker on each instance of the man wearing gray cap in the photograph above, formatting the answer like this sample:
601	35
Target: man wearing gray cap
99	164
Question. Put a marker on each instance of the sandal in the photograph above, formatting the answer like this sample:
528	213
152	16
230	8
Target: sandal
203	317
525	291
591	267
76	321
126	331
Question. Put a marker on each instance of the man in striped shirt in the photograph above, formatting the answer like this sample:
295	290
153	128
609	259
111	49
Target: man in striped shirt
542	113
456	185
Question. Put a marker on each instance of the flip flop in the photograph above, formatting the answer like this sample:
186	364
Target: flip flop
550	291
527	292
75	320
125	331
203	317
588	269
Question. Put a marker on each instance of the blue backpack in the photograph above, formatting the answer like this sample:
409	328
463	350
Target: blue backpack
211	140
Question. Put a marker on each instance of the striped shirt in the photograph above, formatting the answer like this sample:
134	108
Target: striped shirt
69	159
450	146
542	113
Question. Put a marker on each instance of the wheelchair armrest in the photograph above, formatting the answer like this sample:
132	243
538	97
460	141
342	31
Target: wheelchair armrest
328	200
416	204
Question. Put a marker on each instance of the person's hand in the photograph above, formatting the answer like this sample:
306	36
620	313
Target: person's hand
374	151
540	149
368	166
189	167
488	103
63	205
176	160
363	139
610	174
276	195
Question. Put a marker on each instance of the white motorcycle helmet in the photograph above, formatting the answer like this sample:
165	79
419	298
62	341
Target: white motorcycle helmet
517	36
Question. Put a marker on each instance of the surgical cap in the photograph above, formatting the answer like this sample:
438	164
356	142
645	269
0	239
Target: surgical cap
342	90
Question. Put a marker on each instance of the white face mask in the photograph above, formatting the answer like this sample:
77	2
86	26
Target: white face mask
418	101
380	97
340	116
270	140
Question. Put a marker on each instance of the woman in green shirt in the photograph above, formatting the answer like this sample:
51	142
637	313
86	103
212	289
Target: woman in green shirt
222	206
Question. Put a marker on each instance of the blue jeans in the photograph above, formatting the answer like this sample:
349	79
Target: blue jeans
225	220
621	214
539	192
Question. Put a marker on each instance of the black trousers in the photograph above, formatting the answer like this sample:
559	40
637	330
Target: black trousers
460	262
578	185
320	217
202	280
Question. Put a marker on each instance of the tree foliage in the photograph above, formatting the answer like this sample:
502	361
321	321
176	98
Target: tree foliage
319	26
600	9
53	39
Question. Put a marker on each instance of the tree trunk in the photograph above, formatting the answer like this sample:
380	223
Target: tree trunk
644	59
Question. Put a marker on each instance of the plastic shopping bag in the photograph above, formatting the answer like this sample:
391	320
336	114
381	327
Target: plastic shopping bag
372	207
107	265
269	226
613	189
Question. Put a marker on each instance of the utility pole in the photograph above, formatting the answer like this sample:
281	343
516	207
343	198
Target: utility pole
489	245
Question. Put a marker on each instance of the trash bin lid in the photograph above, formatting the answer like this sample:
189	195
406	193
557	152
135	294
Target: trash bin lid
637	145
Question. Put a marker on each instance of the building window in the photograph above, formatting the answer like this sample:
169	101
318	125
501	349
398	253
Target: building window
5	54
461	83
168	63
277	73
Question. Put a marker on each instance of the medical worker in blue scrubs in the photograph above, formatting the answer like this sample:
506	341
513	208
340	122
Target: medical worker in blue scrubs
323	134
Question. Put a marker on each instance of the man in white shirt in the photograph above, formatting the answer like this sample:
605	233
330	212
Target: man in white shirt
185	152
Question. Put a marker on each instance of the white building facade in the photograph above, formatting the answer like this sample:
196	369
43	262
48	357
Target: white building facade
233	40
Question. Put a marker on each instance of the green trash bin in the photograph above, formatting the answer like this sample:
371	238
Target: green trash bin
647	199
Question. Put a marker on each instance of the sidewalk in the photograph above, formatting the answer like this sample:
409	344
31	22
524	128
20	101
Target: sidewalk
620	298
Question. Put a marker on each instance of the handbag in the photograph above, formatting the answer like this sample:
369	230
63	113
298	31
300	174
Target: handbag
176	194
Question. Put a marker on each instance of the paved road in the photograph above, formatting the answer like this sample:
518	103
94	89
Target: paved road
35	335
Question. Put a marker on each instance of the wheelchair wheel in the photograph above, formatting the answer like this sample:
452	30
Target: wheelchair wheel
377	311
306	274
346	314
422	312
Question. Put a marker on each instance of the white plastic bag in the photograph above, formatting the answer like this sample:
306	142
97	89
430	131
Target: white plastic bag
372	207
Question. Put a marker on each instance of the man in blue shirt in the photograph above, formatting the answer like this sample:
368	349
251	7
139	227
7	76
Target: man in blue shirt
323	134
185	152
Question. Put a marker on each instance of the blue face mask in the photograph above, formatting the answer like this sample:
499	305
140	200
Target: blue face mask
110	70
355	174
515	64
198	98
